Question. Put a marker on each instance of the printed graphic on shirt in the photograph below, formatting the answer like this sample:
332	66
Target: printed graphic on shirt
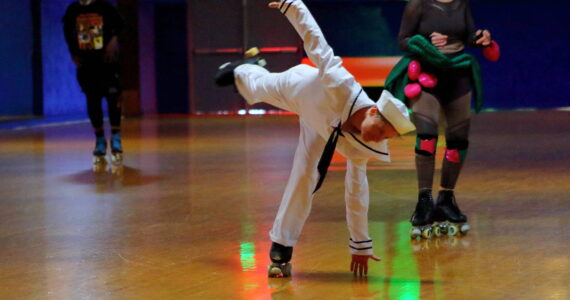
90	31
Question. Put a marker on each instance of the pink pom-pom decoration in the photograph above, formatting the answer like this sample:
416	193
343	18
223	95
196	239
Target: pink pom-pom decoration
414	70
427	80
412	90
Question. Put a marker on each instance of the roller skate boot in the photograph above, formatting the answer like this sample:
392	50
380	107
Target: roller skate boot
116	149
450	220
225	74
422	218
280	256
99	152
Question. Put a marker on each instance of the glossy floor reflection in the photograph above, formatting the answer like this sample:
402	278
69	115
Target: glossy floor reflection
188	215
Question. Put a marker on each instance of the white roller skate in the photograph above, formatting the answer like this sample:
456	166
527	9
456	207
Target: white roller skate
116	149
99	161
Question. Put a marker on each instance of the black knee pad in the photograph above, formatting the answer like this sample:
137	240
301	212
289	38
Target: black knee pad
280	254
426	144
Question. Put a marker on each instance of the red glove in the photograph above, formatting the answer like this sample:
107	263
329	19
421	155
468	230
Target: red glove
492	52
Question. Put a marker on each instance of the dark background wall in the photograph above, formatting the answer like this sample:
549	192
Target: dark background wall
532	73
532	34
16	45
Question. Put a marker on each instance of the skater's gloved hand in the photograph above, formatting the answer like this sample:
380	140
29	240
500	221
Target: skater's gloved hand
359	264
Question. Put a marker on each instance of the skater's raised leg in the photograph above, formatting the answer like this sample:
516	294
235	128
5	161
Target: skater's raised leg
225	74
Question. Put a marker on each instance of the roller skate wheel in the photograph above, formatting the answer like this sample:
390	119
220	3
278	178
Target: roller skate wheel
443	227
251	52
437	230
98	159
427	232
465	228
415	232
117	158
452	230
279	271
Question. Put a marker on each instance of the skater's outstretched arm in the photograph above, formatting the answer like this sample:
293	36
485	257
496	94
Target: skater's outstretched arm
357	201
339	82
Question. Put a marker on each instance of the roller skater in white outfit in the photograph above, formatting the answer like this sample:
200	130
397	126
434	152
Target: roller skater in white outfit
333	111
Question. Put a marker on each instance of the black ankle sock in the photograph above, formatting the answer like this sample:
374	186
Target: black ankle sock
99	133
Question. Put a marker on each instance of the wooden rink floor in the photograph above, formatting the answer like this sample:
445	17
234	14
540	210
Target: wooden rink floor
188	215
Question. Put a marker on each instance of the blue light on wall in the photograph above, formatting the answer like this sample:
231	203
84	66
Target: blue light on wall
62	94
16	72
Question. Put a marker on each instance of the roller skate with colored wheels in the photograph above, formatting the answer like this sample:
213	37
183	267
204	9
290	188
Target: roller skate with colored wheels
280	256
99	153
116	149
225	74
449	218
422	218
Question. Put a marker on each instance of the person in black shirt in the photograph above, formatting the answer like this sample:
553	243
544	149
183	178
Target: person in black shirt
449	26
91	28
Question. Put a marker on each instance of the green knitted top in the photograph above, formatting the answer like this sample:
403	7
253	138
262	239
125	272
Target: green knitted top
421	49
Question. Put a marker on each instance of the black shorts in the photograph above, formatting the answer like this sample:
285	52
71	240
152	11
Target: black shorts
100	79
451	83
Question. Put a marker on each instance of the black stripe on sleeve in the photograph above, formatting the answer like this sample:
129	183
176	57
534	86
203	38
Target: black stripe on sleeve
288	7
360	248
369	241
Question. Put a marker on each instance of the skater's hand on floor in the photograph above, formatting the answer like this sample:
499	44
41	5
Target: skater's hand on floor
359	264
274	4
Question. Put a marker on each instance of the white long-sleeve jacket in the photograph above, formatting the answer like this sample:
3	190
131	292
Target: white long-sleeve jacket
328	94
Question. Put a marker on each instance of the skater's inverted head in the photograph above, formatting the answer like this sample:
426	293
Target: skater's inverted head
375	128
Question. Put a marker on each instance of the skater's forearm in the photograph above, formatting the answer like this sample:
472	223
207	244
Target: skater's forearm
357	200
338	81
317	48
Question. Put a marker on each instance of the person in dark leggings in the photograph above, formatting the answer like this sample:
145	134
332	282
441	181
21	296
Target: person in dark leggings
91	28
449	26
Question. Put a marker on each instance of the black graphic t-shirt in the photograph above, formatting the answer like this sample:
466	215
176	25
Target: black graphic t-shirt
89	28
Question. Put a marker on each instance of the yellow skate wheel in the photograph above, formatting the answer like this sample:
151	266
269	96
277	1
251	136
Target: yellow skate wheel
251	52
426	232
452	230
436	230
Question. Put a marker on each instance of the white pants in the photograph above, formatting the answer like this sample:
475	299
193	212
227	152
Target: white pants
258	85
